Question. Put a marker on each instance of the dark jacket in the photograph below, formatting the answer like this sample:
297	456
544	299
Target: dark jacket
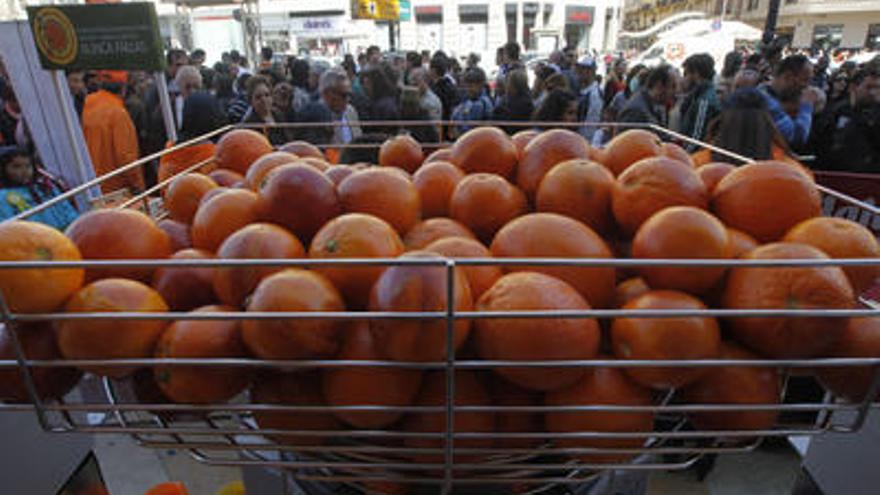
640	109
446	90
847	139
276	135
517	109
384	108
699	108
202	114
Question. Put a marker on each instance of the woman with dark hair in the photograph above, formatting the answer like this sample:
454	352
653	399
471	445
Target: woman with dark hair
299	78
745	128
259	94
411	109
25	185
223	90
516	104
560	105
838	89
732	63
380	89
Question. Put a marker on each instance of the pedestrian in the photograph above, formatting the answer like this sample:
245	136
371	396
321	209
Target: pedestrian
516	105
560	105
615	82
746	128
790	78
282	101
429	101
25	186
848	135
590	100
10	115
110	134
223	90
332	107
411	110
202	114
188	81
156	132
259	94
381	89
649	104
443	85
838	88
477	106
724	82
238	107
77	86
700	104
266	58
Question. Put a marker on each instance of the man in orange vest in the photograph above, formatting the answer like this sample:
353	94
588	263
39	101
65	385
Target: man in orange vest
110	134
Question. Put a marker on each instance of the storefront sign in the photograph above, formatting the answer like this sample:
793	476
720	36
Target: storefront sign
576	14
315	26
405	10
101	36
378	10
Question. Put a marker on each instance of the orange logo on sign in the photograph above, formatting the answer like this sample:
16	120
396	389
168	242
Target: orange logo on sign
55	36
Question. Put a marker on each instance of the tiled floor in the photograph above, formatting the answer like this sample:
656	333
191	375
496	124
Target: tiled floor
131	470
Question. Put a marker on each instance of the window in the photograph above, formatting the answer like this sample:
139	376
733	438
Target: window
789	2
510	17
827	36
530	14
754	4
548	11
873	40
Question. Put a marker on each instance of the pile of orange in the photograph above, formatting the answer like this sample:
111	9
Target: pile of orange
547	195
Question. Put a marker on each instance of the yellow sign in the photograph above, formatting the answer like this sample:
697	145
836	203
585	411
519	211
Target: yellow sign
55	36
379	10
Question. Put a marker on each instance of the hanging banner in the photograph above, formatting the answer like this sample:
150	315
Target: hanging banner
119	36
378	10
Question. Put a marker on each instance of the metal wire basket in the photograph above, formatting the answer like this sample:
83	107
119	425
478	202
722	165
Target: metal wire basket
376	460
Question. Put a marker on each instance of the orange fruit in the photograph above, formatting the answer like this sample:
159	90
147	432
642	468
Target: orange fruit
469	391
239	148
111	339
485	203
665	339
418	288
201	339
629	147
185	288
184	194
292	389
650	185
264	165
487	150
794	287
37	290
299	198
628	290
213	192
605	386
579	189
226	178
178	234
119	234
355	235
317	163
288	291
740	243
840	238
532	339
522	138
681	232
441	155
38	343
385	193
734	385
480	277
712	173
176	162
544	152
169	488
303	149
860	339
765	199
363	386
338	173
435	182
255	241
434	229
676	152
402	152
548	235
222	215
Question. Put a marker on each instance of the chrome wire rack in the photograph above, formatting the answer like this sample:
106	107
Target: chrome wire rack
376	461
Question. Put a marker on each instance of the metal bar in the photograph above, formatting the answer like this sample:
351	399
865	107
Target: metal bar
425	123
146	194
465	364
449	451
119	171
165	104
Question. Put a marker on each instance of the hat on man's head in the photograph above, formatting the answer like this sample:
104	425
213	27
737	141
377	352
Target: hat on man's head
587	61
113	76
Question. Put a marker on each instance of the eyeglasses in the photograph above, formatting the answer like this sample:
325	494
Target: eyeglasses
342	94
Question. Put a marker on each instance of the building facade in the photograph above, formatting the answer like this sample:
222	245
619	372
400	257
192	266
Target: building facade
828	24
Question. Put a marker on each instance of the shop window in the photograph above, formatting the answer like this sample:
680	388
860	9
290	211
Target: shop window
827	36
530	15
873	40
548	12
510	18
754	4
578	20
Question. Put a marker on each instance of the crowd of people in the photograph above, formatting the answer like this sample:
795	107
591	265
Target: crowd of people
762	104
